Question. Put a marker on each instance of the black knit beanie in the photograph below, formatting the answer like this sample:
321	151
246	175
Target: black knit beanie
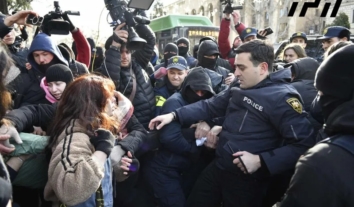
335	75
59	72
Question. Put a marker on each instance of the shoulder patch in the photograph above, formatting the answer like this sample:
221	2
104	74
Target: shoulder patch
295	104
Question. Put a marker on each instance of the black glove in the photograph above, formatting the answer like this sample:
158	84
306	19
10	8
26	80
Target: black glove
134	166
66	18
103	141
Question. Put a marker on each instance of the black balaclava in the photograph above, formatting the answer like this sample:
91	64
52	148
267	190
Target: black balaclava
334	78
207	47
169	51
195	51
43	68
182	51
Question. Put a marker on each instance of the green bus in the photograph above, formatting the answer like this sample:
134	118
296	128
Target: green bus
171	27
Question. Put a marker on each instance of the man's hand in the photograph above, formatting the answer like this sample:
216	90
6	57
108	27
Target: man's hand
252	162
162	119
212	137
38	131
202	129
230	78
121	34
18	18
4	146
236	16
262	33
7	132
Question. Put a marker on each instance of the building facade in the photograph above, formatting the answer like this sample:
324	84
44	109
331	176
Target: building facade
347	7
255	13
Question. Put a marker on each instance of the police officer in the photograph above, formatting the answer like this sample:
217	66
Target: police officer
248	34
176	72
264	133
183	50
334	34
299	38
332	160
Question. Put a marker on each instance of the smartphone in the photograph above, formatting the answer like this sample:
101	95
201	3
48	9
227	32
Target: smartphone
34	20
268	31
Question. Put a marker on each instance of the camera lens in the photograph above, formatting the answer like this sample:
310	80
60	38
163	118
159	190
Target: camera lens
40	19
35	20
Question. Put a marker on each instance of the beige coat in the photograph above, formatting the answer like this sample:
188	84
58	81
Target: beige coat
73	175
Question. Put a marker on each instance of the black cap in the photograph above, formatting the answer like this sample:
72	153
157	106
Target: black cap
59	72
208	47
298	34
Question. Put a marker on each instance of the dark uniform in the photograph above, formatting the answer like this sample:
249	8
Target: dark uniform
178	146
267	120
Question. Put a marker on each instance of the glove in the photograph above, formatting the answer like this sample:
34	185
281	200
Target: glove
103	141
66	18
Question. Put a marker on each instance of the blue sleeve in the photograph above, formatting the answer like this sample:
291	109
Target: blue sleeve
160	101
206	109
296	131
171	136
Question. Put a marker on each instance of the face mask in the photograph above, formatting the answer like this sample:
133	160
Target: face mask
182	50
208	63
43	68
329	104
168	56
192	97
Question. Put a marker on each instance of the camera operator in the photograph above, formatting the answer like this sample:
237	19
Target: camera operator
126	69
226	51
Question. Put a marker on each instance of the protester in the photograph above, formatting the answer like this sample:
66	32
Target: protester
293	52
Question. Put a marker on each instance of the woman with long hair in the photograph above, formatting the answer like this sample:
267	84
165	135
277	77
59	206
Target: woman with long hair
293	52
80	143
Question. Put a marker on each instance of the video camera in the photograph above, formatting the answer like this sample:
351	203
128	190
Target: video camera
53	22
229	8
119	12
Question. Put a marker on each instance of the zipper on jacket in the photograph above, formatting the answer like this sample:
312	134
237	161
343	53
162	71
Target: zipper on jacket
243	120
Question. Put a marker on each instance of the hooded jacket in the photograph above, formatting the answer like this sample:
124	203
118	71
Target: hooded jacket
76	67
43	42
305	71
177	149
32	93
208	47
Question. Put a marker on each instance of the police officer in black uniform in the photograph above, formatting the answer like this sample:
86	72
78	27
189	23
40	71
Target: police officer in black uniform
264	132
299	38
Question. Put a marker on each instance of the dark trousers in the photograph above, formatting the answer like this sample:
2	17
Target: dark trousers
167	187
216	186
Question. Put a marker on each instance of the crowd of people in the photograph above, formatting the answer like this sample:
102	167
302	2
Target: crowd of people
215	124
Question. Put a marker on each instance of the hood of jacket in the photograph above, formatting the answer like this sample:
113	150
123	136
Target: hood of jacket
197	78
304	68
44	42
